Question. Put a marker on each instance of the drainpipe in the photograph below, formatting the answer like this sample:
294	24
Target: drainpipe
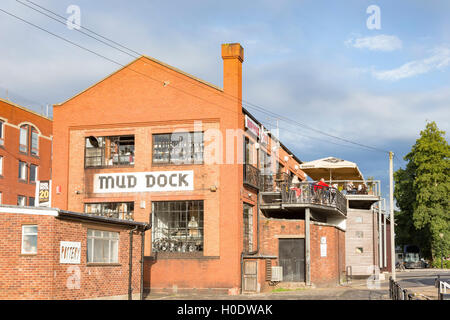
130	268
307	245
142	263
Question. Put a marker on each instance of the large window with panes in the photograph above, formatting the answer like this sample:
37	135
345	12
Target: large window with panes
178	148
109	151
102	246
177	226
29	133
29	239
118	210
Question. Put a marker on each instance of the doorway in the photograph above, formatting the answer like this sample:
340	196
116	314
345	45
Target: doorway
292	258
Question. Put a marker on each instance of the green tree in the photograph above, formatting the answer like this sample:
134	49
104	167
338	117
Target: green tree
422	193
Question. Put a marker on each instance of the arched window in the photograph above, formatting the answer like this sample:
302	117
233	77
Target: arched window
29	133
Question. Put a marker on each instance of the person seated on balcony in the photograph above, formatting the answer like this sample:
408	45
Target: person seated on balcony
320	190
350	188
296	188
333	190
362	189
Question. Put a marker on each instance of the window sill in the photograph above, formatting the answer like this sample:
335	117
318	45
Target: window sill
112	166
180	255
28	254
93	264
167	164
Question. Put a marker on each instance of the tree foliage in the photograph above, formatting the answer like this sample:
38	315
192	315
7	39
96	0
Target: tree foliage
422	193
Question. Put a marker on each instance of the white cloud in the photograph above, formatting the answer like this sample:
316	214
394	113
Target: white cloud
381	42
439	59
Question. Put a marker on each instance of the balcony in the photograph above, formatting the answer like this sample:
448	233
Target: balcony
361	194
279	193
251	176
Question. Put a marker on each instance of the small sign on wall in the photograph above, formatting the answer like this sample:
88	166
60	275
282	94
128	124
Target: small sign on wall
69	252
43	193
323	246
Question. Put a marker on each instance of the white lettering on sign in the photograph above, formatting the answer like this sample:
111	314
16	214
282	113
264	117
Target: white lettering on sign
69	252
252	126
144	181
264	138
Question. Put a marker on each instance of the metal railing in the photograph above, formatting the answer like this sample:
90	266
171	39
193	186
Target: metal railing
358	187
442	289
396	292
303	192
252	176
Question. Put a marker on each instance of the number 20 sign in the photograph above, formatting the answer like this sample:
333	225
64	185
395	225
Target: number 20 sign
44	193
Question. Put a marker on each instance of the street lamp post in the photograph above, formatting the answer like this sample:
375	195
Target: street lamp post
442	250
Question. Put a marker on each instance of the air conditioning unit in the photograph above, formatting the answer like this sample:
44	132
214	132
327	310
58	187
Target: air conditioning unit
277	274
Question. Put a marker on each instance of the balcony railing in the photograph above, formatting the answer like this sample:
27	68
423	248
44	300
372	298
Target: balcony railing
358	187
302	192
251	176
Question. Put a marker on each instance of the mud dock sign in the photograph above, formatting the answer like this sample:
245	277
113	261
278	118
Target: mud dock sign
144	181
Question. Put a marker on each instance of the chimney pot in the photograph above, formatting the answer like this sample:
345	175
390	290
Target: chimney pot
232	51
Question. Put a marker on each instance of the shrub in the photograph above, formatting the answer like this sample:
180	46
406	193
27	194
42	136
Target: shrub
437	263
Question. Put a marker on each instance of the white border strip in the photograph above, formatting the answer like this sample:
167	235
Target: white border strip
31	211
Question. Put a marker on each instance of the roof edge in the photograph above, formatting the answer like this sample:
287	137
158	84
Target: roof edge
25	109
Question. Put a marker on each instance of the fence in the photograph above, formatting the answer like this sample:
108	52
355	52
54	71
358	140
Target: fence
442	289
396	292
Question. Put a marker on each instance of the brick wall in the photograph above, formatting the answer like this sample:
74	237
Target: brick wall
13	117
324	270
41	276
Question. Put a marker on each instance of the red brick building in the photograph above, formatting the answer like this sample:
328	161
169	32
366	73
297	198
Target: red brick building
151	143
25	153
53	254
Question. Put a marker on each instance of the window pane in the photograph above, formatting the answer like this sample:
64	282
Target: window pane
22	170
23	141
30	229
33	173
161	148
21	201
89	249
29	239
1	165
31	202
114	251
34	142
178	226
30	244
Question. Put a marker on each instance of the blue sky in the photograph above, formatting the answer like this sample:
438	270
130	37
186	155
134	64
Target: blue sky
314	61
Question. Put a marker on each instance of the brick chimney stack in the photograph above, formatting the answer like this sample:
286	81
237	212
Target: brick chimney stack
233	57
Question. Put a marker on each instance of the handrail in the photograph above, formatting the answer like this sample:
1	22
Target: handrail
443	286
252	176
303	192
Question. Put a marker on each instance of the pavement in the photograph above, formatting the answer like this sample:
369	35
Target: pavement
418	281
357	290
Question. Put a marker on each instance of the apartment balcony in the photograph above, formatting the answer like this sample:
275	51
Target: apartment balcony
361	194
252	176
280	194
